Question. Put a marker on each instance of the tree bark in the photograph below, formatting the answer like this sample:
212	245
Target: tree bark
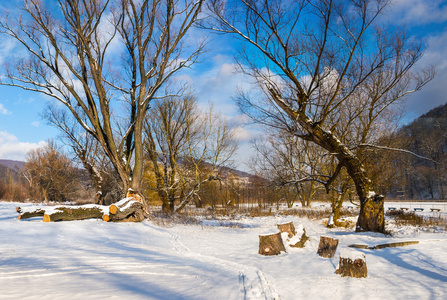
371	217
271	244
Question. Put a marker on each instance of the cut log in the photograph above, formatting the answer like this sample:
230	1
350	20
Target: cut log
136	216
114	208
65	213
271	244
30	212
287	227
352	264
327	247
124	208
303	239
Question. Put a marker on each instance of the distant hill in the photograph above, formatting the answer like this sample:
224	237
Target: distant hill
437	112
13	164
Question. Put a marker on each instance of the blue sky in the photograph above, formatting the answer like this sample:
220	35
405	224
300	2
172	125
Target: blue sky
215	81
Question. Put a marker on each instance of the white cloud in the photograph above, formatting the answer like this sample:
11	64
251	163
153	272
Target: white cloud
35	124
11	148
3	110
433	94
242	134
218	84
419	11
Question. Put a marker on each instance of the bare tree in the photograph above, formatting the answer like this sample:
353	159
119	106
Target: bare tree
317	60
186	147
52	173
88	152
287	160
93	56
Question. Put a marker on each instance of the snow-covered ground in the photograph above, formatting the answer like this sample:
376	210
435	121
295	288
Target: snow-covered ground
95	260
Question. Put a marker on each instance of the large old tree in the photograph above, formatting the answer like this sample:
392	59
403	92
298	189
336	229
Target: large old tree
328	71
105	61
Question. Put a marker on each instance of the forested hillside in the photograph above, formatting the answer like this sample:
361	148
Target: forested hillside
423	177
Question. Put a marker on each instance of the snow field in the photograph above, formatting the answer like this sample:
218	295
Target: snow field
94	260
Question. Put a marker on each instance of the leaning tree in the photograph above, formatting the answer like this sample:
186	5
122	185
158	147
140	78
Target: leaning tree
328	71
105	61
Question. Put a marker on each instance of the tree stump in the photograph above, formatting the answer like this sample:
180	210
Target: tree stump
287	227
327	247
303	239
271	244
352	264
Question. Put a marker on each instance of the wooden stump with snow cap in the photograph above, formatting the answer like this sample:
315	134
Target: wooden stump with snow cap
271	244
287	227
327	247
352	263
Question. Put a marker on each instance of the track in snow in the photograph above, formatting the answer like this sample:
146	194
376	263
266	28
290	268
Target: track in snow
254	284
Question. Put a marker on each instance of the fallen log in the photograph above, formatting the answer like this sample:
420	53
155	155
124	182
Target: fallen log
381	246
137	216
30	212
65	213
124	208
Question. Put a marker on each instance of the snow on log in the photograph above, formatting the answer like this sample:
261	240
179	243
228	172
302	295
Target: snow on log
29	212
287	227
327	247
271	244
72	213
352	263
124	209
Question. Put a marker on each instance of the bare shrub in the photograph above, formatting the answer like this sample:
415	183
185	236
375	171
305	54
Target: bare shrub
411	218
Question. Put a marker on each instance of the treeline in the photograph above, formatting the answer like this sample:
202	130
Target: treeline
409	164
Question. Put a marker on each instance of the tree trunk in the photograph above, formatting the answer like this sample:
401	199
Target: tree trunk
327	247
271	244
371	217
